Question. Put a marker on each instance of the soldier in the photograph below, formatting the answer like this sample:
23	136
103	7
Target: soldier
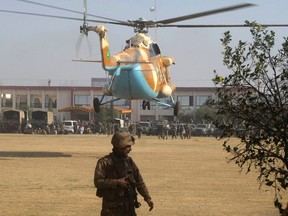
139	130
166	129
174	131
117	177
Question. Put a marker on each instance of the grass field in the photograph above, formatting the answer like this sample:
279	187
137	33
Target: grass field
53	175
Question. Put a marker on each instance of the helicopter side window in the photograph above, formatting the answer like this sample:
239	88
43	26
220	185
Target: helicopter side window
154	50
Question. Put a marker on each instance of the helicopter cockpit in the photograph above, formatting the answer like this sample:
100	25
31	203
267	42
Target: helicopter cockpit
154	49
141	40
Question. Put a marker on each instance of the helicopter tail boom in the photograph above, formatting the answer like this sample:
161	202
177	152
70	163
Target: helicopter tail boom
107	60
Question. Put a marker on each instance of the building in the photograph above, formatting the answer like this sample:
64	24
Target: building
76	103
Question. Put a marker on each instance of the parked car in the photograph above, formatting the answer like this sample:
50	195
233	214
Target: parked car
153	131
216	132
69	126
200	130
204	130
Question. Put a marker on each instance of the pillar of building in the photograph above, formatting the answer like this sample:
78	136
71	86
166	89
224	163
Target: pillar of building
28	98
43	99
13	99
1	95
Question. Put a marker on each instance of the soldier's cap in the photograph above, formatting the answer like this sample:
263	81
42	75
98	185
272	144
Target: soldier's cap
121	139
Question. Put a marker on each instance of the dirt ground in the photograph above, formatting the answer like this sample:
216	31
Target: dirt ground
53	175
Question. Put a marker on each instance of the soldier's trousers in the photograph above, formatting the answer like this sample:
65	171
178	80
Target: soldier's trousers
120	210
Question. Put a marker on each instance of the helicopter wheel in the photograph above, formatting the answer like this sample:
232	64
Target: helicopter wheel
96	105
145	104
176	108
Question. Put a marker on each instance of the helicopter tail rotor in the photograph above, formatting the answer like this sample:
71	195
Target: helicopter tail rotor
80	44
84	29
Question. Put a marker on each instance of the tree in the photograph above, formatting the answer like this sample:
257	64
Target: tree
254	101
105	114
205	113
185	117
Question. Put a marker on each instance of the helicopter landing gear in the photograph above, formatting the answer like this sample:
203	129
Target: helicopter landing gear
145	104
176	108
96	105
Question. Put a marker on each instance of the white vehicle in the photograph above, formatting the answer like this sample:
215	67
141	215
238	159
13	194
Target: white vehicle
69	126
119	121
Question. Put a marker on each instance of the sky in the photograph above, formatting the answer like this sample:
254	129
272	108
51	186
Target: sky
35	49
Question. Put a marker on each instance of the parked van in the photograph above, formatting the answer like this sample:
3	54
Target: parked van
146	127
119	121
69	126
12	120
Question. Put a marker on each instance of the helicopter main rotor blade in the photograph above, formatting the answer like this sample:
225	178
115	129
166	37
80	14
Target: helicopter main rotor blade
61	17
73	11
207	13
85	12
223	26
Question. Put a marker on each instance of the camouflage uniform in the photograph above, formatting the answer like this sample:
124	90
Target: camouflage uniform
115	199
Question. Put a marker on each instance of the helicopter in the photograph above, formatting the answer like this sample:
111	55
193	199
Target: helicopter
139	71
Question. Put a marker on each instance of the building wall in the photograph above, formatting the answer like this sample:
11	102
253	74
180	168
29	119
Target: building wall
40	97
64	99
155	113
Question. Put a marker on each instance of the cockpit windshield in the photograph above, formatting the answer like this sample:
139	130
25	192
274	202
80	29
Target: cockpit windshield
154	49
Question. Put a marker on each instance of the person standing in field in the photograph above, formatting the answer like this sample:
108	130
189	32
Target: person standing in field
139	130
118	179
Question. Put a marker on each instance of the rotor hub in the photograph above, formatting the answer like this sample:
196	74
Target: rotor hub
84	29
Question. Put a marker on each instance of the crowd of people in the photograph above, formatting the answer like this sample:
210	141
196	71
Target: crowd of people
162	129
175	130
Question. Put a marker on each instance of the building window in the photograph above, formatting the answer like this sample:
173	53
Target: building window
36	101
185	101
165	100
122	102
50	101
21	101
6	100
81	100
201	99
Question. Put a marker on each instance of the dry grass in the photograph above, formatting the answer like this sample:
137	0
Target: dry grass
53	175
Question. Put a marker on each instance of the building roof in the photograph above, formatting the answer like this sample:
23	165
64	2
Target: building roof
90	109
51	87
81	108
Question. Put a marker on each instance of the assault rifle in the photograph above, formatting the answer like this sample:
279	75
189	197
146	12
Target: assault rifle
132	194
